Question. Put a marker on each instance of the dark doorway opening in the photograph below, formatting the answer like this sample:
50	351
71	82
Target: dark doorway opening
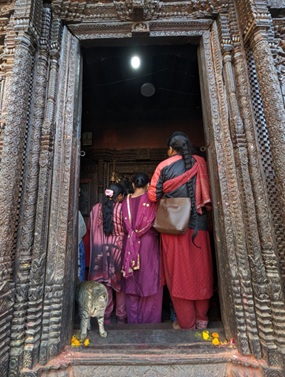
128	114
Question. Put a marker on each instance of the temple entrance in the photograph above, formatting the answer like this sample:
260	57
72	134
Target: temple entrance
236	63
128	114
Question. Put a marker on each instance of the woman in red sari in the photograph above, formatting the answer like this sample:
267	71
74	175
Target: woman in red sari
141	256
187	258
106	239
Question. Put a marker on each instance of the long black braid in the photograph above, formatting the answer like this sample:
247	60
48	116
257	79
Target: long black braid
108	207
180	142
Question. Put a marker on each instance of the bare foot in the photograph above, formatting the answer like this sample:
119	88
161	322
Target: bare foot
176	326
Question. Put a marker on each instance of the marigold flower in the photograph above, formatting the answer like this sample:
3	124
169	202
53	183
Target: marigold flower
86	342
215	335
215	341
206	335
74	341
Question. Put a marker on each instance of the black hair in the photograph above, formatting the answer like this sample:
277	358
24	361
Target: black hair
180	142
140	180
108	207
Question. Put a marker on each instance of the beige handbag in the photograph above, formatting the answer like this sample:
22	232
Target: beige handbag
173	215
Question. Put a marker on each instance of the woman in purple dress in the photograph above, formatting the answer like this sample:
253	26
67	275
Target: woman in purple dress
141	256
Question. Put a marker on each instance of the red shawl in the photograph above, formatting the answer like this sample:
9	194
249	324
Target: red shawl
202	196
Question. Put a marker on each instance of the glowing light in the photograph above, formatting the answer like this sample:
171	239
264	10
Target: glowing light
135	62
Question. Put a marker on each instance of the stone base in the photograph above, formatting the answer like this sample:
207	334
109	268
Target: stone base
147	351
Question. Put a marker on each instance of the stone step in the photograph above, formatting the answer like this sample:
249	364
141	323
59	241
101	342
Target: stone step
150	351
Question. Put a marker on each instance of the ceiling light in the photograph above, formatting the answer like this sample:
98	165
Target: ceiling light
135	62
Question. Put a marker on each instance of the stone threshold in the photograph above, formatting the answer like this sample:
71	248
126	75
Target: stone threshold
150	350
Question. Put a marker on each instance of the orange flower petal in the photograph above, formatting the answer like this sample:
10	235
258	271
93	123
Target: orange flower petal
215	335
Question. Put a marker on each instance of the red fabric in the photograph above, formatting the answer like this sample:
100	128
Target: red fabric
152	188
174	183
190	314
86	241
188	270
202	196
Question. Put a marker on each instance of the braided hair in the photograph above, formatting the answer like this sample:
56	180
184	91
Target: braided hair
180	142
109	201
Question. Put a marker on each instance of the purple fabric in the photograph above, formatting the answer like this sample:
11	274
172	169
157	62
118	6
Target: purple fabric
105	251
138	214
144	309
142	287
146	280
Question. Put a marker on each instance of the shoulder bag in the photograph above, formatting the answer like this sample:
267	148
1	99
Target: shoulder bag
173	215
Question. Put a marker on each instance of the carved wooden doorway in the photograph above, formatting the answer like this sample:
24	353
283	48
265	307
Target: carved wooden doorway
124	129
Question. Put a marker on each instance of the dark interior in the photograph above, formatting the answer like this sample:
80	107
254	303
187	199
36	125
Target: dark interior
114	91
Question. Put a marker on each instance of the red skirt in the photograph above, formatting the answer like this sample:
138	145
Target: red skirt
188	269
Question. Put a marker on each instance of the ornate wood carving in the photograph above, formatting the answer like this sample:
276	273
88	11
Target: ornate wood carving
260	234
273	105
131	10
17	100
39	169
234	238
252	187
56	319
30	297
7	45
35	320
279	52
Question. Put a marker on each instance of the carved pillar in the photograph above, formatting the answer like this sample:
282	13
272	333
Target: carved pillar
26	325
14	140
6	255
62	241
273	105
263	255
262	249
248	273
35	317
234	272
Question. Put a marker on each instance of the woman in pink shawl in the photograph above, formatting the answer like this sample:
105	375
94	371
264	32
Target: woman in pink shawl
141	256
106	237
